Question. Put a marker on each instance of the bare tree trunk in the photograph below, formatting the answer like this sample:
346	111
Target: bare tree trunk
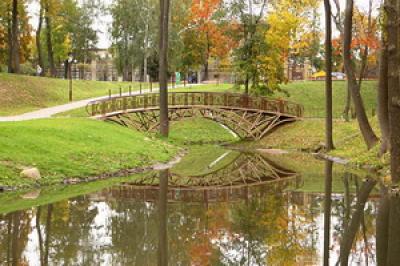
50	52
366	130
146	43
163	75
15	38
347	106
206	65
383	93
394	90
10	39
38	40
328	80
206	70
246	84
364	57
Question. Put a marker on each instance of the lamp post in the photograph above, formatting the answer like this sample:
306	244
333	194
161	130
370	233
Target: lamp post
70	61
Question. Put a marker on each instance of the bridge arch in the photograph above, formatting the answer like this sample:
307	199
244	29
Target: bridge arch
249	117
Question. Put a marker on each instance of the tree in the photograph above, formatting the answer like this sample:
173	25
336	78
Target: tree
14	39
251	34
364	44
38	36
49	11
163	71
77	21
328	80
206	22
393	7
383	89
365	127
134	32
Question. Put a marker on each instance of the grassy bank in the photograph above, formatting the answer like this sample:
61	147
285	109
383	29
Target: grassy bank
309	135
62	148
20	94
79	147
311	95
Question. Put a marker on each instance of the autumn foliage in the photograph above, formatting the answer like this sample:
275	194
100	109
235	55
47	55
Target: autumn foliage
206	37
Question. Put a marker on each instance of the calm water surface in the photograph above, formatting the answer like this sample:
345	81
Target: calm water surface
241	209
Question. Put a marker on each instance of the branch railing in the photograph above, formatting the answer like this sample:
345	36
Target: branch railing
194	99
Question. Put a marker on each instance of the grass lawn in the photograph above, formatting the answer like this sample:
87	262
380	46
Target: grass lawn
308	135
311	94
199	131
79	147
223	87
20	93
74	147
79	112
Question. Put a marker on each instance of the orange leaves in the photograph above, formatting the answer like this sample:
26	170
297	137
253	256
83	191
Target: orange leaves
208	29
204	9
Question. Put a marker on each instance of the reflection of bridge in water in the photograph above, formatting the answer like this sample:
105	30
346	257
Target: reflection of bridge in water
249	117
247	175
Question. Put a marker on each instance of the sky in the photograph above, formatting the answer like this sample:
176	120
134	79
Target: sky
102	24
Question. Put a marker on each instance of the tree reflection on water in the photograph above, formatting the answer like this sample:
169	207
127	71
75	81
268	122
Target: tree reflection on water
268	224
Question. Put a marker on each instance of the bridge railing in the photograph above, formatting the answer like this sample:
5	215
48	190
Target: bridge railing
200	99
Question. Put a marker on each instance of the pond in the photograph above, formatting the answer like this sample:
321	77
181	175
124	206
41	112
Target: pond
217	207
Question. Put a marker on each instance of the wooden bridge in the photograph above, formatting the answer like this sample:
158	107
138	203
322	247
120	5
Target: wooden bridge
249	117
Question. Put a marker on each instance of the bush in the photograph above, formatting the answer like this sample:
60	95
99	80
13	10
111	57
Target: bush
3	68
27	69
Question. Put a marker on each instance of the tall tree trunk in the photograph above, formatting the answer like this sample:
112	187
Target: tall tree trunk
15	38
366	130
206	65
364	56
49	41
246	84
146	44
394	87
10	39
347	106
328	80
38	40
383	93
206	70
163	62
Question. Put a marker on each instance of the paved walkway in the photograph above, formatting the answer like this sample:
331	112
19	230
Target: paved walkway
50	111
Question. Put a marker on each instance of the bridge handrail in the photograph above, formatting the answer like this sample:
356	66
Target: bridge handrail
218	99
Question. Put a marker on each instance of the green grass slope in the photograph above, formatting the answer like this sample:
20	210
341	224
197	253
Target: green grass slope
20	94
311	94
74	147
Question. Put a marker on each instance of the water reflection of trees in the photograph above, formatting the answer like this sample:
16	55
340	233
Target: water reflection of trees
367	232
354	215
268	225
14	230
